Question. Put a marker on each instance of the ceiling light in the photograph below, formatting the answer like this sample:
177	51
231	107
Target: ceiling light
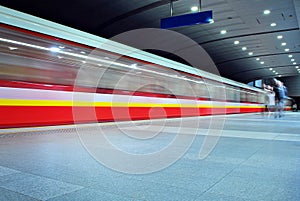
267	12
244	48
290	56
292	59
61	47
12	48
297	67
54	49
236	42
194	8
273	24
294	63
250	53
133	66
257	59
262	62
223	31
287	49
283	44
279	37
82	52
279	75
270	68
211	21
274	71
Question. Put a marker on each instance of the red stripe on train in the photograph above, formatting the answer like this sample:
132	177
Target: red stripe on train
28	116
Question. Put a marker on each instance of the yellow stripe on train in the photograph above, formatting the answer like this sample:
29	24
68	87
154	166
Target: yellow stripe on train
17	102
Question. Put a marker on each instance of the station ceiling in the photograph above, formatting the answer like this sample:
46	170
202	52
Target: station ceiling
268	43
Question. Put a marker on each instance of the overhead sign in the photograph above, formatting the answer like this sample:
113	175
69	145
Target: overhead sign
187	20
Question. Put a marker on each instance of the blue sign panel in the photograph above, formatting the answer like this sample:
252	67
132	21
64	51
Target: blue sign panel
186	20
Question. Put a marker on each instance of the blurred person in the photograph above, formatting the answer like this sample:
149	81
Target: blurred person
280	98
270	101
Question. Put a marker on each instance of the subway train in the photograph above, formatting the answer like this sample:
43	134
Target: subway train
51	75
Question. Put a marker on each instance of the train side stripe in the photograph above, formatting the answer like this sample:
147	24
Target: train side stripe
17	102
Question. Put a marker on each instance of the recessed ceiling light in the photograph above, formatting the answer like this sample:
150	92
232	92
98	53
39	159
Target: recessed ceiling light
294	63
262	62
211	21
279	75
290	56
273	24
82	52
244	48
283	44
270	68
61	47
257	59
287	49
223	31
236	42
12	48
133	65
297	67
194	8
250	53
276	73
267	12
54	49
279	37
292	59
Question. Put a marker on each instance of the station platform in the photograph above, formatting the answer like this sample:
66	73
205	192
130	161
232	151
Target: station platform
256	157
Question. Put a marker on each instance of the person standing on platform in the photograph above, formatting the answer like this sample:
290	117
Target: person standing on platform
271	101
280	97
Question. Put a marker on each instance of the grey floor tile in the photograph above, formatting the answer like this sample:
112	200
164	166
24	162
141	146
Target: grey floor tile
7	195
220	197
84	176
7	171
266	174
147	190
247	188
191	183
87	194
267	161
35	186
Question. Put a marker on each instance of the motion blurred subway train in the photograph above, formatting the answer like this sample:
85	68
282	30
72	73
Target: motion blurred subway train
54	75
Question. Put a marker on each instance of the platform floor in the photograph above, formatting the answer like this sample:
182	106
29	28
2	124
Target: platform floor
256	158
